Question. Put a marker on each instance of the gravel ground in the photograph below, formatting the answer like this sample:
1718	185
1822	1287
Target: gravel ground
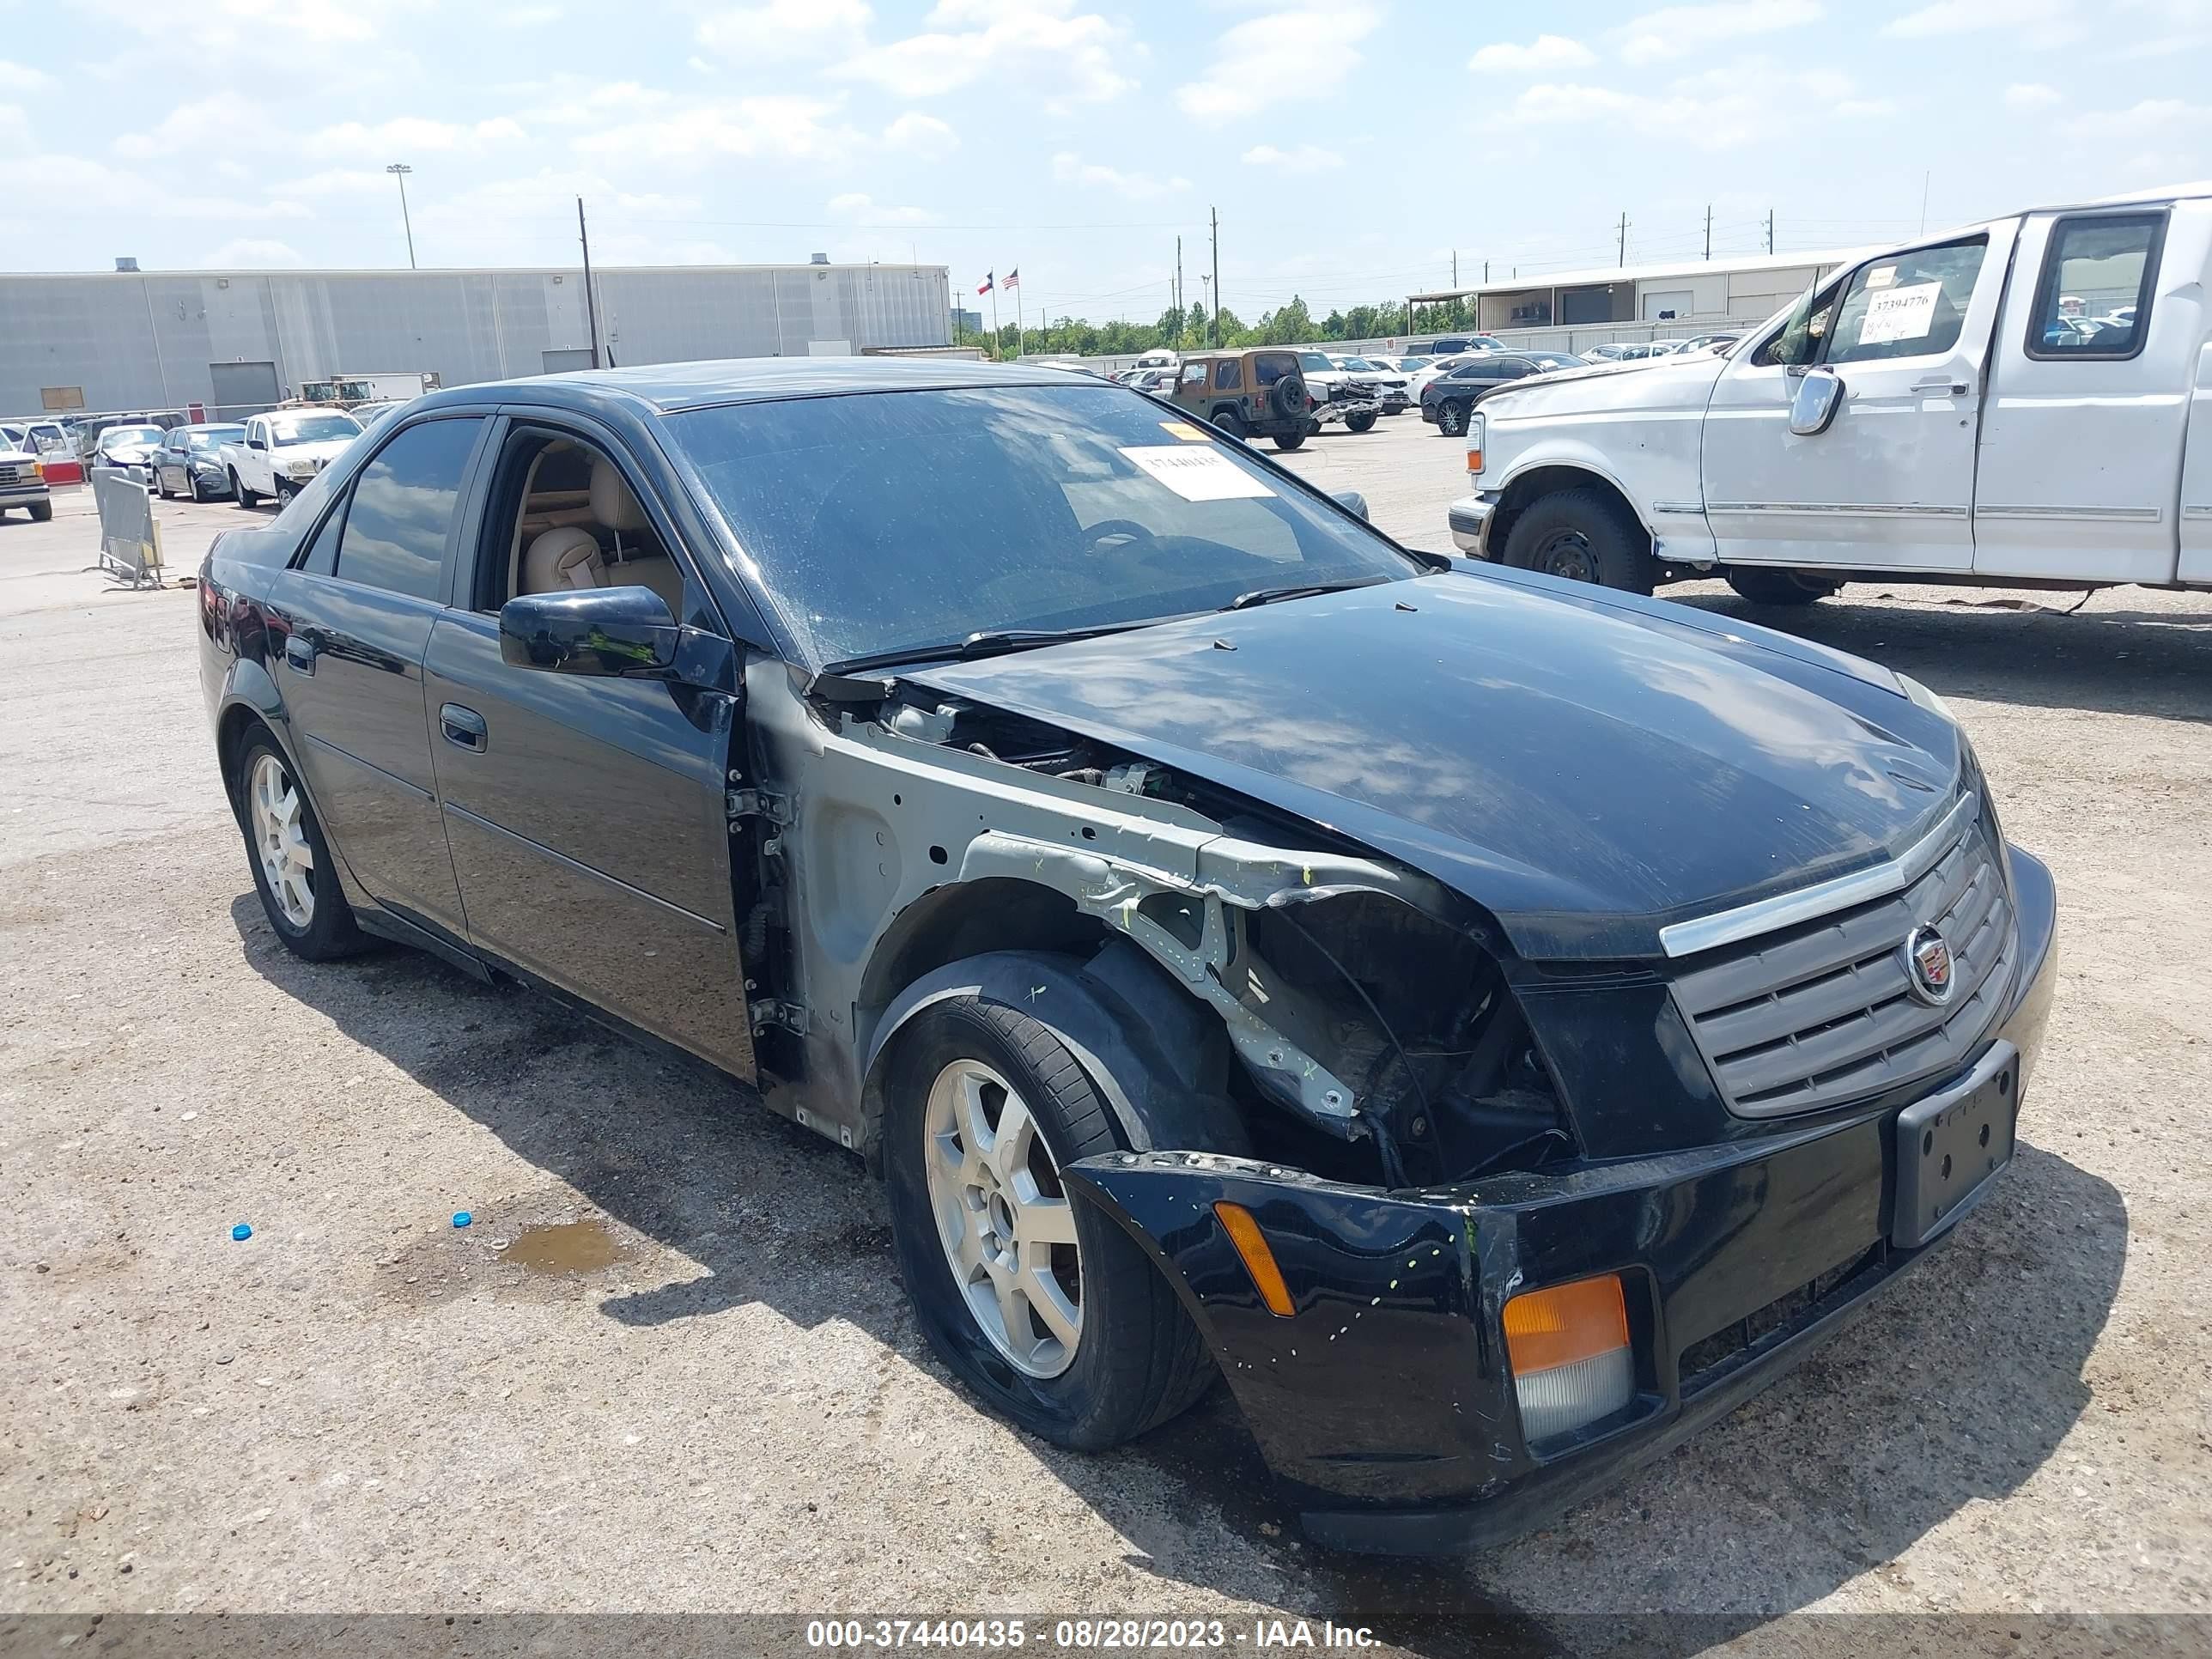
724	1406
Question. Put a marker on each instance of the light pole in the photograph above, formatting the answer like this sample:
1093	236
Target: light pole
399	170
1206	302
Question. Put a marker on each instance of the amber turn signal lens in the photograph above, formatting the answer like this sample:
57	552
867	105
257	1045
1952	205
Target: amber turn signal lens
1565	1323
1475	460
1259	1261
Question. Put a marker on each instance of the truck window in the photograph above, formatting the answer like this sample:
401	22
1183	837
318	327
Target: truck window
1798	340
1229	374
2092	300
1906	305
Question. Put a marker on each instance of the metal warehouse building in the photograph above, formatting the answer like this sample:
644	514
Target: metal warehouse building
241	340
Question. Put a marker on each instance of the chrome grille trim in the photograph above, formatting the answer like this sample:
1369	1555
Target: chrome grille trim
1821	1012
1687	938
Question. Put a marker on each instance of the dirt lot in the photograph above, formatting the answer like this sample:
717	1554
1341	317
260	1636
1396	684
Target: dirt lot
363	1408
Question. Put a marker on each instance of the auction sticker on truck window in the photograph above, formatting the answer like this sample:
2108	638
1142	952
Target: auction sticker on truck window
1901	314
1197	475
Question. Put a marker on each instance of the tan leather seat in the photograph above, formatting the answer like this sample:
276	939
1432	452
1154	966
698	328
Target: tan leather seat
614	506
561	559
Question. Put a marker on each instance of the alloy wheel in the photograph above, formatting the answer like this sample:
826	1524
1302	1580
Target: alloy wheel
1005	1220
280	840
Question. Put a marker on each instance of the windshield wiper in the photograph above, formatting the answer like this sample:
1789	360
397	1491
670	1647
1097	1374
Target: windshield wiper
987	642
1297	590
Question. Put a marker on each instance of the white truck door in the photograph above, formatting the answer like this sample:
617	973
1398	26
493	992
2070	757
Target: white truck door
2089	391
1890	484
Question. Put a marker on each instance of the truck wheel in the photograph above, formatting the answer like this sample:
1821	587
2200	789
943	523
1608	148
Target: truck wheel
240	493
1583	536
1229	421
1288	440
1360	423
1766	585
1036	1299
42	512
1451	418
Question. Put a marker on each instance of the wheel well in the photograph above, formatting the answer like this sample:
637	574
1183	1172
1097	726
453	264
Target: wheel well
238	723
970	919
1532	486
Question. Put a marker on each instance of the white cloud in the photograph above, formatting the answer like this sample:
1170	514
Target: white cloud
22	77
2019	17
405	136
253	253
1306	158
1715	110
922	135
1545	55
782	126
311	20
15	129
220	124
784	29
866	211
1276	58
1071	169
530	17
1685	31
2029	95
1077	57
2152	119
334	181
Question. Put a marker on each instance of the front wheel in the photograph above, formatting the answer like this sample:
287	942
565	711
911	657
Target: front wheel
192	481
1451	418
285	491
1765	585
1036	1299
1360	423
1583	536
293	869
1288	440
42	512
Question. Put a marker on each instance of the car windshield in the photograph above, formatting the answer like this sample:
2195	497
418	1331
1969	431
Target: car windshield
1310	360
313	428
214	437
907	520
1553	360
115	436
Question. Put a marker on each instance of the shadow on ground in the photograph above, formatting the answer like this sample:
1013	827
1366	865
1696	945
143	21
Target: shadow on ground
1833	1471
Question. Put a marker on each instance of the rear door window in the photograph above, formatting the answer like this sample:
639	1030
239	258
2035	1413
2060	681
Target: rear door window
1229	374
404	507
1907	305
2093	297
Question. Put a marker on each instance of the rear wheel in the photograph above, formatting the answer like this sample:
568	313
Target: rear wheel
1229	421
240	493
1451	417
1765	584
1037	1300
293	869
1360	423
1583	536
1288	440
161	483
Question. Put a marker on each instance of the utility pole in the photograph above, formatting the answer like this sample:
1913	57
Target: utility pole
1180	308
1214	215
1708	230
399	170
590	305
1924	179
1770	230
1485	273
1454	267
1624	239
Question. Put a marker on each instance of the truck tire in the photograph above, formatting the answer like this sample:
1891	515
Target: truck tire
240	494
1288	398
1451	417
42	512
1229	421
969	1209
1770	585
1288	440
1583	535
1359	423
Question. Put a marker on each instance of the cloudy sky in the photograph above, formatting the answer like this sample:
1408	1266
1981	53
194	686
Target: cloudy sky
1350	145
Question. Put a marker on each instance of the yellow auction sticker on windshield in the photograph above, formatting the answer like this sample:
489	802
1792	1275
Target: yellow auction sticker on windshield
1184	430
1197	475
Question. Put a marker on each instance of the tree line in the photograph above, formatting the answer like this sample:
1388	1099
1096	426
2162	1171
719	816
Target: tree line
1292	324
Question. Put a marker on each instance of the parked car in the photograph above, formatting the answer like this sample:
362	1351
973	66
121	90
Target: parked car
283	452
1452	345
190	461
23	480
369	414
128	449
1434	369
1387	383
1264	393
1927	412
1496	1054
1446	400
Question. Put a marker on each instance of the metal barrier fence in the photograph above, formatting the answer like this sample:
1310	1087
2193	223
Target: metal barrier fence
130	537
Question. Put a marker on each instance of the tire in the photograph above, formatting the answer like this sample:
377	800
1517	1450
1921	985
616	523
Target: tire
160	484
1581	535
285	491
1360	423
326	930
1767	584
1288	440
42	512
1137	1359
240	494
1451	417
192	481
1288	397
1229	421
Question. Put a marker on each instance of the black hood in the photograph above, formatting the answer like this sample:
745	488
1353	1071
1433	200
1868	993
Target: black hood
1586	766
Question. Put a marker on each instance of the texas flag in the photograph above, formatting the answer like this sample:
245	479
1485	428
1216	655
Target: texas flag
1014	277
984	287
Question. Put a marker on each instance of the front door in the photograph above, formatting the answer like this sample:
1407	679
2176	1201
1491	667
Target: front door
1890	484
587	815
357	618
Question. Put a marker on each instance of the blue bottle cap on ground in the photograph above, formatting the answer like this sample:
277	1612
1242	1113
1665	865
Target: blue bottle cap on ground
241	1232
462	1218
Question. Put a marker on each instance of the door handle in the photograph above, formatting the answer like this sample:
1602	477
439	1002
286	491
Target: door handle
463	727
299	652
1944	384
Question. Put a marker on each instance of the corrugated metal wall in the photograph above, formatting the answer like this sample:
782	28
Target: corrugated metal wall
147	341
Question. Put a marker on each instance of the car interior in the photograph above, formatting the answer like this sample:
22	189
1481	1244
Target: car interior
578	525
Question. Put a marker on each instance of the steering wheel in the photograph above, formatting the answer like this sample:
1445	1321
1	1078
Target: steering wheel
1107	528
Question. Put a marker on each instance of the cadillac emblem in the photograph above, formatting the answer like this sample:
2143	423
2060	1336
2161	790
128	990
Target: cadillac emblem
1927	962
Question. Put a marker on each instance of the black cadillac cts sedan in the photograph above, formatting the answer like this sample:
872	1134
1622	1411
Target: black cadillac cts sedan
1495	1024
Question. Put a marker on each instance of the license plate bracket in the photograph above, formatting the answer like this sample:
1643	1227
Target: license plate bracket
1951	1144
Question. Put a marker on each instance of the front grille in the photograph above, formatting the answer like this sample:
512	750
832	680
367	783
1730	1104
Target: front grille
1707	1361
10	473
1822	1013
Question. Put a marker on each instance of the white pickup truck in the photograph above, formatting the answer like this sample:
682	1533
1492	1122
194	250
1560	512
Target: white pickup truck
283	451
2026	402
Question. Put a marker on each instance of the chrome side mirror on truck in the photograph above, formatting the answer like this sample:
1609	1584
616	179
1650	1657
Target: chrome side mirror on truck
1813	405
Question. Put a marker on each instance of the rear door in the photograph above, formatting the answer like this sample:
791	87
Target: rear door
1890	484
356	616
2090	397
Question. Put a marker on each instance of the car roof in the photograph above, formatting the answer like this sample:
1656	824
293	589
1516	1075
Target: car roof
666	388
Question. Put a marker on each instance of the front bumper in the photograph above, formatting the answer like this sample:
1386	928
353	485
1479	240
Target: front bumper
1469	518
1342	408
1384	1404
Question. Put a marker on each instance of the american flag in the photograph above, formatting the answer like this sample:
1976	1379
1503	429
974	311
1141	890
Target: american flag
1014	277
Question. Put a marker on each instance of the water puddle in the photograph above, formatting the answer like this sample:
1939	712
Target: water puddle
573	1247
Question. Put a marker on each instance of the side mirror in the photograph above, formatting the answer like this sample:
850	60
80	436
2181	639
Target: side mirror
1352	502
605	631
255	443
1812	406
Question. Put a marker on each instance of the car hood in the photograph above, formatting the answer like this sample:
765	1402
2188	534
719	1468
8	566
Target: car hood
328	449
1586	766
1671	382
